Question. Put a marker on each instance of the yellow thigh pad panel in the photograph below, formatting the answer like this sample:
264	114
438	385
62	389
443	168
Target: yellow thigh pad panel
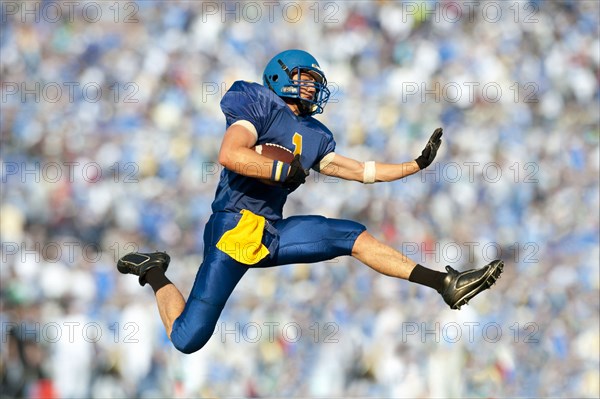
244	242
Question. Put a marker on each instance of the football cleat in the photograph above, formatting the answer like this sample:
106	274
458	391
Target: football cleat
139	263
459	287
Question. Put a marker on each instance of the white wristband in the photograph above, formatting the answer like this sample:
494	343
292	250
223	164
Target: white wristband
369	172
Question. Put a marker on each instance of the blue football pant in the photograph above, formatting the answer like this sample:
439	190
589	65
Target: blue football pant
297	239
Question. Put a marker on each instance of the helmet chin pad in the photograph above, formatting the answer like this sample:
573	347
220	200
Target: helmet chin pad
306	107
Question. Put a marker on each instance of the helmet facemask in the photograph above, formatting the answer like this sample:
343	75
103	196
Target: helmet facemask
318	83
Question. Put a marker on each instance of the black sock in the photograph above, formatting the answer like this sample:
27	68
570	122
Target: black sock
156	278
424	276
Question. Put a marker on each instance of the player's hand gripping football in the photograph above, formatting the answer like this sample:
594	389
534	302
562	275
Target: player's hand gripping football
297	174
428	154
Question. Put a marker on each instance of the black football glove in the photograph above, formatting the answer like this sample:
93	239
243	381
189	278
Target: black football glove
430	151
297	174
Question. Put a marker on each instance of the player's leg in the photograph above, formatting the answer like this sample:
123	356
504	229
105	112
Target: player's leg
215	281
314	238
191	324
456	288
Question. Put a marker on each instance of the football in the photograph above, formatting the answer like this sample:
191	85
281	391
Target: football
275	151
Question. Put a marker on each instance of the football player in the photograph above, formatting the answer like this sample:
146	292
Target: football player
246	229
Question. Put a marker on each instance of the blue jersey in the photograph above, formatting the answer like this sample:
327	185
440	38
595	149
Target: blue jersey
275	123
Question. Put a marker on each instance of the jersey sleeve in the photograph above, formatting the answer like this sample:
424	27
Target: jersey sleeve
243	104
326	153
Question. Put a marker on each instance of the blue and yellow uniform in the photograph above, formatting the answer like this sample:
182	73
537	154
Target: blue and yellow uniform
247	228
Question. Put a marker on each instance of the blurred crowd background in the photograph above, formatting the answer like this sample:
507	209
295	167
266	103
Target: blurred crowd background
111	124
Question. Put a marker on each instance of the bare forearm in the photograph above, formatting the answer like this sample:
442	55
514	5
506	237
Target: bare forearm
386	172
245	161
368	172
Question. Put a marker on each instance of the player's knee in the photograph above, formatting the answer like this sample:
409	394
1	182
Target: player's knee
193	340
189	347
191	331
362	243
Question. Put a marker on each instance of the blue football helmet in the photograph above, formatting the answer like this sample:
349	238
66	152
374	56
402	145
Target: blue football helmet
282	68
